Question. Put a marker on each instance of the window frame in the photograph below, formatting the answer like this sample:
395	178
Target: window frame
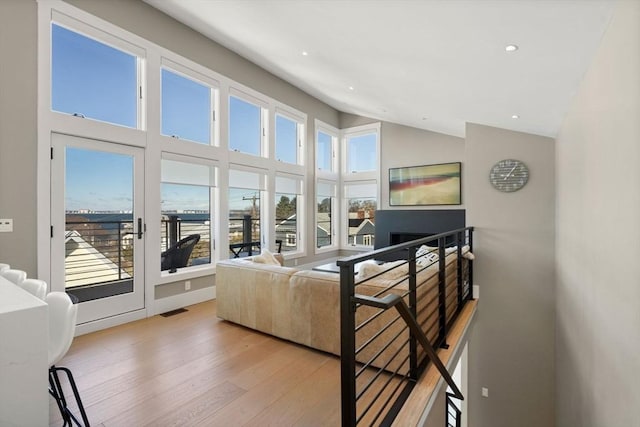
345	210
334	225
300	212
300	120
213	204
356	178
261	188
354	132
214	100
107	38
263	106
334	133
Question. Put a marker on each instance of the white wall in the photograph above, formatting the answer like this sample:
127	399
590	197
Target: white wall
511	346
598	239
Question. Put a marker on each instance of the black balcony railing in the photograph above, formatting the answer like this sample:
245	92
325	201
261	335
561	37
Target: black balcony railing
391	323
98	252
101	251
174	228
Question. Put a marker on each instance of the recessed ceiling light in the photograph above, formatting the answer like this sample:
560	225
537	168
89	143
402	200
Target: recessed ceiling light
425	118
351	88
515	116
511	48
305	53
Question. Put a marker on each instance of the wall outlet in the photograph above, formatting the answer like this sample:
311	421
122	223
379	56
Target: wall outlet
187	285
485	392
6	225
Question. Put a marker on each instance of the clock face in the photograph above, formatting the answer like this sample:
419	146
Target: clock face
509	175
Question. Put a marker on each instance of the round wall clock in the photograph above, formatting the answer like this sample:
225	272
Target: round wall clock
509	175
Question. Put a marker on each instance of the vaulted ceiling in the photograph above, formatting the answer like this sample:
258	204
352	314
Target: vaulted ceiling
430	64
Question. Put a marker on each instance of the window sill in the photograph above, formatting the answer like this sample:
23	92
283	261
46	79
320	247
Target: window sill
186	274
326	249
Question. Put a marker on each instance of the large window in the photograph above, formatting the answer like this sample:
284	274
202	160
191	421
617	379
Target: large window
361	203
133	92
360	180
288	140
325	149
362	152
186	108
93	80
325	214
288	221
246	188
186	200
245	126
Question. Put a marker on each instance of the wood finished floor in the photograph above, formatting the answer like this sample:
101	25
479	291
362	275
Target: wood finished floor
193	369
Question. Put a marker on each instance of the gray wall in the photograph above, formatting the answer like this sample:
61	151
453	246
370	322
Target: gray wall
511	347
407	146
18	136
598	238
438	415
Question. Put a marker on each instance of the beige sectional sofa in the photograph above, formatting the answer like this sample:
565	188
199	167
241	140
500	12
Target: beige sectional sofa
303	306
298	305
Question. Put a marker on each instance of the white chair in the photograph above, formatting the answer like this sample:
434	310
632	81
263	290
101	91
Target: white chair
62	325
35	287
4	267
15	276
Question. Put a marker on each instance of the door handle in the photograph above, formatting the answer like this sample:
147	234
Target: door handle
139	228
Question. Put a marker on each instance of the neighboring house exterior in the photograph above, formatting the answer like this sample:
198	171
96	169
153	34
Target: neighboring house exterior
361	232
287	232
85	265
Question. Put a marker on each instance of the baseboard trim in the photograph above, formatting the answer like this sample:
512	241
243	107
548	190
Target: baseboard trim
476	291
163	305
98	325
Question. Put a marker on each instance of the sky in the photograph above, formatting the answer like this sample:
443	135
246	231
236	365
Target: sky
100	82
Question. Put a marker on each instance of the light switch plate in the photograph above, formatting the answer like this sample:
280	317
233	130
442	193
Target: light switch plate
6	225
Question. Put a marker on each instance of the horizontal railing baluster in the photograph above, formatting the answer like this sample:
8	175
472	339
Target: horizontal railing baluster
398	347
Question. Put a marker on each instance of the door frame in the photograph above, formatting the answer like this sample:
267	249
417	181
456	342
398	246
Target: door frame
90	312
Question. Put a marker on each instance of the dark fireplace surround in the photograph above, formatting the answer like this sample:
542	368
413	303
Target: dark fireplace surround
399	226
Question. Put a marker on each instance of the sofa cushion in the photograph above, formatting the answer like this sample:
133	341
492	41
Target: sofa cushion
266	257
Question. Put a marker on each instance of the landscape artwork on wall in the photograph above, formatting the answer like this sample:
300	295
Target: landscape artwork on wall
425	185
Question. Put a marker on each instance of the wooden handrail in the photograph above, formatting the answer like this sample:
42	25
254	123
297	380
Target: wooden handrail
396	301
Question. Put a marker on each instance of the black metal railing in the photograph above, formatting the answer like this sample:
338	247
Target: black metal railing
244	236
174	228
454	413
98	252
384	351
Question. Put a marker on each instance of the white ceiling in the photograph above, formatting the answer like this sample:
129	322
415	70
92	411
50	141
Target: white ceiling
430	64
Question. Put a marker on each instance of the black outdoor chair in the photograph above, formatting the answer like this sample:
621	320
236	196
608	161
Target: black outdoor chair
177	256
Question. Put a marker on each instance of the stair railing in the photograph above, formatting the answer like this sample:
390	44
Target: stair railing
424	311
